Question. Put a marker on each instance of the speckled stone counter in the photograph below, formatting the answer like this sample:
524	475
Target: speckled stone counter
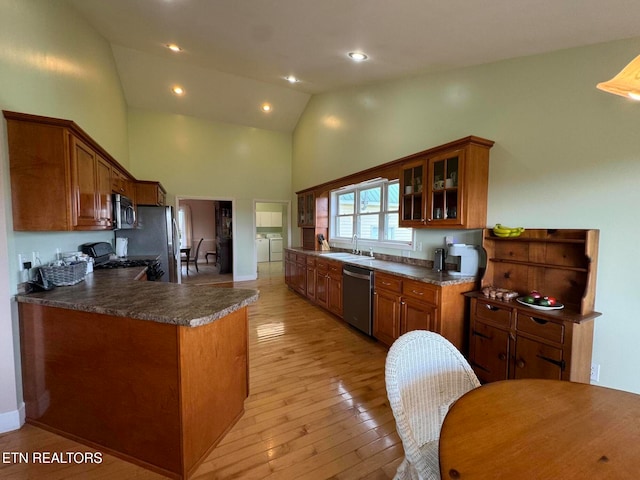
116	292
413	272
114	362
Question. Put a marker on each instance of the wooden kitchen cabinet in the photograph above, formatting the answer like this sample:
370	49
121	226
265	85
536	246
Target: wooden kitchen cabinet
511	340
402	305
123	184
446	187
300	274
387	307
322	283
306	209
61	180
311	278
334	288
289	267
418	313
150	193
516	343
91	189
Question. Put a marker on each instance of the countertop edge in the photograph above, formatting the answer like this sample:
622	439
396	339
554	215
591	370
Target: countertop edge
394	268
118	312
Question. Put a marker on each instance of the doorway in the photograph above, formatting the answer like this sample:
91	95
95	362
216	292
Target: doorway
206	240
272	235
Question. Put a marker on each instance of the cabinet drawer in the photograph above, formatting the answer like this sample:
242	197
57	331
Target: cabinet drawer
493	313
321	266
311	261
388	282
420	291
540	327
335	269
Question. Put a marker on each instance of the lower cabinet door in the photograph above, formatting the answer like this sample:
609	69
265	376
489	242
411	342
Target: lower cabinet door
489	352
417	316
334	295
534	359
386	316
322	287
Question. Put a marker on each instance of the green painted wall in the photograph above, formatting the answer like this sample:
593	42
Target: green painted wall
566	155
196	158
52	63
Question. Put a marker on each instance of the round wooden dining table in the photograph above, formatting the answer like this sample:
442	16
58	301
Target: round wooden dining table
541	429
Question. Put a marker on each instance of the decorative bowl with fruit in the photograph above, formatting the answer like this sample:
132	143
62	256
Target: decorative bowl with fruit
541	302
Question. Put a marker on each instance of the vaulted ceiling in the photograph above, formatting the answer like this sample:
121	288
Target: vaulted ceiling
236	53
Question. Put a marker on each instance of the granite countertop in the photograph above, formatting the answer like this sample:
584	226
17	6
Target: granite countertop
117	292
413	272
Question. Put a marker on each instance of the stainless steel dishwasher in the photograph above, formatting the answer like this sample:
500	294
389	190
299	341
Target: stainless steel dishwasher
357	297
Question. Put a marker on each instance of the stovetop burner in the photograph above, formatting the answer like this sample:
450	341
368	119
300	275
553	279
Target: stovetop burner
126	263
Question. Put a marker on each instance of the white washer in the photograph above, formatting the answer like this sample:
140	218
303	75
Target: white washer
275	247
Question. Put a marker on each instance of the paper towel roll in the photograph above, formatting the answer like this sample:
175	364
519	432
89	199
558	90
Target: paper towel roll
121	246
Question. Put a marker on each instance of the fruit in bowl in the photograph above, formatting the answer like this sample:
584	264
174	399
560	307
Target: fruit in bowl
503	231
536	298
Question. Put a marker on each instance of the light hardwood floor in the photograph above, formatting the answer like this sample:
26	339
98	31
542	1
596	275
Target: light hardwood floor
317	406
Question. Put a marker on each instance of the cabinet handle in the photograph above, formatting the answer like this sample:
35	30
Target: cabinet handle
491	307
502	357
540	321
386	283
559	363
417	292
481	335
520	363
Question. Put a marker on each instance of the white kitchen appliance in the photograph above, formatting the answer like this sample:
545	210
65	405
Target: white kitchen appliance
469	258
262	249
275	247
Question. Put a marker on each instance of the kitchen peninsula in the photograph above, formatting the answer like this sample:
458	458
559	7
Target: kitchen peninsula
151	372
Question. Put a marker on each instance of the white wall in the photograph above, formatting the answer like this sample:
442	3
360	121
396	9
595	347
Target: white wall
51	63
566	156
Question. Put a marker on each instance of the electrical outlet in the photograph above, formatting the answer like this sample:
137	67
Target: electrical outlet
448	240
595	372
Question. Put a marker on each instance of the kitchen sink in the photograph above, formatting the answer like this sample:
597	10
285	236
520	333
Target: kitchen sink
342	255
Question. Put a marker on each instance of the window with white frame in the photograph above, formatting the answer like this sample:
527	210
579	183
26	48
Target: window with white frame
371	211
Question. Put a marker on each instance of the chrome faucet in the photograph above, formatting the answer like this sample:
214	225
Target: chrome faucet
355	245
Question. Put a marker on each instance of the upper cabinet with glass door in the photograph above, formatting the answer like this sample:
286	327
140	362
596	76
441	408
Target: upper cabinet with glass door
447	186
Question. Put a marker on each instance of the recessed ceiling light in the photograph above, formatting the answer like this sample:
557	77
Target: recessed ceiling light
291	79
178	90
266	107
173	47
357	56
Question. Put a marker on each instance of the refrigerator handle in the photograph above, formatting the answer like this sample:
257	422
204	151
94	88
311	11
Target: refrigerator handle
176	239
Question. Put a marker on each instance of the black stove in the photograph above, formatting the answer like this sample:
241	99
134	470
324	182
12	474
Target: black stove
154	268
125	263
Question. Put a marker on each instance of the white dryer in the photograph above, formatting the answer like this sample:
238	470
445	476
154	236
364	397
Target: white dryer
275	247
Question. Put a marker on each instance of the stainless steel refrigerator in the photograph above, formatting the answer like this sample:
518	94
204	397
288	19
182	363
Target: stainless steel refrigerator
155	235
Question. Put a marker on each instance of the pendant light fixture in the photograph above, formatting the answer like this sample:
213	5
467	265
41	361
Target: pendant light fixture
626	83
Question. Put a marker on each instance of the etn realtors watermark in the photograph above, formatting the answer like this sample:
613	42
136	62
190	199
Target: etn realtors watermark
44	457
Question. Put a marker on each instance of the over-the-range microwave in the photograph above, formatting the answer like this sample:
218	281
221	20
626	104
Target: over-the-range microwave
124	215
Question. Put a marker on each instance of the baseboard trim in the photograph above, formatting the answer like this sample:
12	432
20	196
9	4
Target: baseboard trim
12	420
244	278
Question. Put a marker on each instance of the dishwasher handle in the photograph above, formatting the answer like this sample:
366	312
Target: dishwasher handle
357	275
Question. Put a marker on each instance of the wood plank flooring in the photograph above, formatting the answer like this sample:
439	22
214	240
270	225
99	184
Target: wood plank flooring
317	406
